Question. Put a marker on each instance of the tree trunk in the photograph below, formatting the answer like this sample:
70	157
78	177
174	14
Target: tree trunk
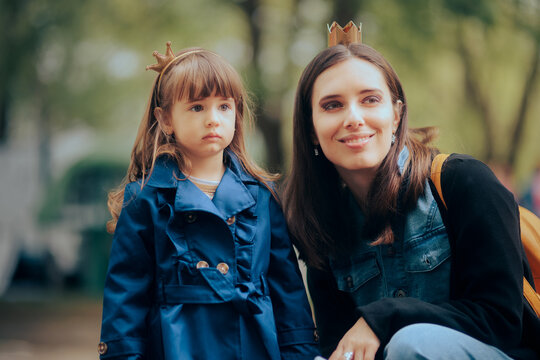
528	90
474	94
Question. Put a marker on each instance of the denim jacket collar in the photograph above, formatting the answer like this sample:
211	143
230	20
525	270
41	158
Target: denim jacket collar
402	159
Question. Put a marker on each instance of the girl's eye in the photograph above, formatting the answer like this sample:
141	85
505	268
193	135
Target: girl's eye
196	108
371	100
332	105
225	107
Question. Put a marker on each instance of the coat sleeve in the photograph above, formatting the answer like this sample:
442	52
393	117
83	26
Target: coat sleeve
127	294
486	276
294	322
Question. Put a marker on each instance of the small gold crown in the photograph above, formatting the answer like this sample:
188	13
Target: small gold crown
344	35
162	60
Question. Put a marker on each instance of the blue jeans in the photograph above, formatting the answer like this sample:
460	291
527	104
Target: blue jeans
429	341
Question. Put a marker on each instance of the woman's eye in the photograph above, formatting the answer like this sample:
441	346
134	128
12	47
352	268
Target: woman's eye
196	108
332	105
371	100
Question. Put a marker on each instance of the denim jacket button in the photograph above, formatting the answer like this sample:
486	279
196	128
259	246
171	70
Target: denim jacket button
231	220
350	283
400	293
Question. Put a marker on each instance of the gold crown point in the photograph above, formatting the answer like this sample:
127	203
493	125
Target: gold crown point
346	35
162	60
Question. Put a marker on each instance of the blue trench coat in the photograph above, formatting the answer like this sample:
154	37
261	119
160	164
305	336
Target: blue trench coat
194	278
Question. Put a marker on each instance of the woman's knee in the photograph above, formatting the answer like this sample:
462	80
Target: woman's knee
411	342
430	341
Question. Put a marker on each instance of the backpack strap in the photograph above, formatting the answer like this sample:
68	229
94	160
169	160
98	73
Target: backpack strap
436	169
533	298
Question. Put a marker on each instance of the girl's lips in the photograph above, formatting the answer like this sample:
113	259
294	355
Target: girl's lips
212	137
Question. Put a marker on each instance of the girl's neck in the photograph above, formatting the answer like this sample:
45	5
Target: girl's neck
210	168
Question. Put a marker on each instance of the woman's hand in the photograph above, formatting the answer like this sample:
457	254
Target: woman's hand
360	340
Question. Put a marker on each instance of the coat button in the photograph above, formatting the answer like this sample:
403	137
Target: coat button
190	217
102	348
231	220
400	293
202	264
223	268
316	335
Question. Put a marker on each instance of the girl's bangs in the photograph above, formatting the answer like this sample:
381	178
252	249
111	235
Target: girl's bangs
201	76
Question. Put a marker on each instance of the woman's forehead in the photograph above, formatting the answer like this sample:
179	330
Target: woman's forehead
351	74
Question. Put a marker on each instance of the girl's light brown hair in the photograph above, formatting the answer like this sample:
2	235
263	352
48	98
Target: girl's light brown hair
197	75
313	197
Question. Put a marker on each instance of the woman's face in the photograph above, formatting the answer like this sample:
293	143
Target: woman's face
353	116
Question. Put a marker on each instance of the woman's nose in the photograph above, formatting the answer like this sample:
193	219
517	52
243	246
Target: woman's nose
354	118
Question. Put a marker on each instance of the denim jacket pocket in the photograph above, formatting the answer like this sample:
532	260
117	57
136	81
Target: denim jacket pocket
360	276
427	264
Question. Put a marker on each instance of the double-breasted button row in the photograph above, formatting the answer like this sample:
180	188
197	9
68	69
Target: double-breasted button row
222	267
192	217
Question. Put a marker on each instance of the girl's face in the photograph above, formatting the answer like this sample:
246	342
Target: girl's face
205	127
353	116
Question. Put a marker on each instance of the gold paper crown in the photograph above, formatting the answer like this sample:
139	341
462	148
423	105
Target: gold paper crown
344	35
164	61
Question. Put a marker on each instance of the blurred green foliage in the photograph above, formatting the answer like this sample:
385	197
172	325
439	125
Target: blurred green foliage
468	67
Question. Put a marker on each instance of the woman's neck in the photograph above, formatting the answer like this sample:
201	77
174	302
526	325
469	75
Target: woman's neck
359	183
209	168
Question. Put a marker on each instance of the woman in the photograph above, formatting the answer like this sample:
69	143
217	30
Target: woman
389	275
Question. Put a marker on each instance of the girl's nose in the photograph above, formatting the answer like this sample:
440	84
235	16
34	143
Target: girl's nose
354	118
213	118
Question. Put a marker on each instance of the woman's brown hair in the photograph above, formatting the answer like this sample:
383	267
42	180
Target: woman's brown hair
313	190
197	75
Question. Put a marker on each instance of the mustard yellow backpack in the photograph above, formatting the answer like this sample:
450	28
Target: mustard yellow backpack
530	237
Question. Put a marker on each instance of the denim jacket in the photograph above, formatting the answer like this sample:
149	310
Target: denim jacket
415	265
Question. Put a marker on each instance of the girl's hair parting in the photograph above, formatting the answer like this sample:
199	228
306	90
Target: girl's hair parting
198	74
313	201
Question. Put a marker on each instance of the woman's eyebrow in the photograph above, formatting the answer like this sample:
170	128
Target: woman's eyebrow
364	91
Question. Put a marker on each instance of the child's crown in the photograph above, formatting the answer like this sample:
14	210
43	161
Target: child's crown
164	61
344	35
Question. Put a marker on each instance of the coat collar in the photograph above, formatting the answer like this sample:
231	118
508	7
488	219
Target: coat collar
231	197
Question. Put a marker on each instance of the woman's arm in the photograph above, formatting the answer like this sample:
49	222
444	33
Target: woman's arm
127	293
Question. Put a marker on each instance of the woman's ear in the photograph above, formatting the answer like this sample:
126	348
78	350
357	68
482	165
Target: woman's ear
398	109
314	139
163	121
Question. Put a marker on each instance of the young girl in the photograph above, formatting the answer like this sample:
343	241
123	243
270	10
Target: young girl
201	265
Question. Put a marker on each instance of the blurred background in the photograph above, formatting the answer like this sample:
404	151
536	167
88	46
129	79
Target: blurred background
73	89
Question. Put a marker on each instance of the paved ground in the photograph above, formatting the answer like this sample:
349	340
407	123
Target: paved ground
57	328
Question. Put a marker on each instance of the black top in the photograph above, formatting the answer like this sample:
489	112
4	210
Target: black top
488	264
